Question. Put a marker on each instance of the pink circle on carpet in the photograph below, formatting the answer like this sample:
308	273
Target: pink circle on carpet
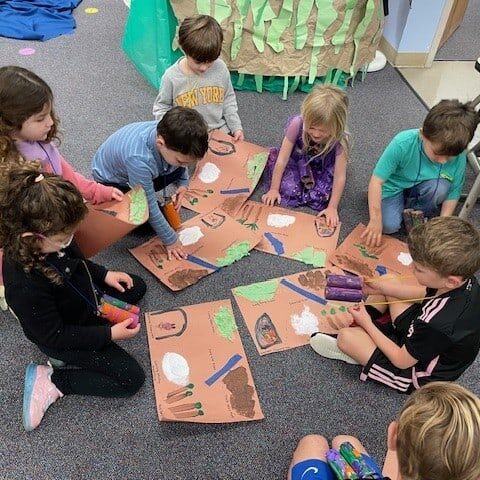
26	51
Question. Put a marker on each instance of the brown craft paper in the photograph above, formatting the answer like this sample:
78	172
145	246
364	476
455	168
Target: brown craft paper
282	318
291	61
108	222
288	231
354	256
224	169
216	234
184	368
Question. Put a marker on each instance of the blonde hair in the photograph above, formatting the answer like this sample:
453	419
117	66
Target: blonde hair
438	435
326	106
447	245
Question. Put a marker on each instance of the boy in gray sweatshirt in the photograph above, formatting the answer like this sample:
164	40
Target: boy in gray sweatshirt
201	80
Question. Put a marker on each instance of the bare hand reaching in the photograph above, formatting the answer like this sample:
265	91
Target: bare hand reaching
271	197
176	251
373	233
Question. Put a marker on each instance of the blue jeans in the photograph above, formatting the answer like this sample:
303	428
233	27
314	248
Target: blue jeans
426	196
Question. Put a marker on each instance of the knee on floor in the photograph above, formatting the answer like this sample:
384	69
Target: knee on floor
133	381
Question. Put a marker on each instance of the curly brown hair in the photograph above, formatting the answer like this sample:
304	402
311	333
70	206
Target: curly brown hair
40	203
22	94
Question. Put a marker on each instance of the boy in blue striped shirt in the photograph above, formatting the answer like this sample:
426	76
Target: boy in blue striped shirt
154	155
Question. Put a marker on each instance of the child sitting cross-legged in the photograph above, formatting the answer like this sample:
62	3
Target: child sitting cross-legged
436	437
55	293
435	329
309	169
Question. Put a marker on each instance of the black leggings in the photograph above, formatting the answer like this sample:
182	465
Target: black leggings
109	372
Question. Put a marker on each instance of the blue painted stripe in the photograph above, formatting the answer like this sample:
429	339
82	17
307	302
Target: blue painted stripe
303	292
225	369
202	263
276	243
234	191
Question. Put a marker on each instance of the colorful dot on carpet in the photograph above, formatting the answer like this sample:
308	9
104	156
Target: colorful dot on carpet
91	10
26	51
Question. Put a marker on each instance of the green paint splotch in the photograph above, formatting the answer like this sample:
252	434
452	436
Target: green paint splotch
138	206
364	251
234	253
258	292
311	256
255	166
225	322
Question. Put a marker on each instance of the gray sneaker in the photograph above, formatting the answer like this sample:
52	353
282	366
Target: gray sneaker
326	346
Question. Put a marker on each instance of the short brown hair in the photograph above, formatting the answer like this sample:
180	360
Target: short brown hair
438	436
451	124
184	130
447	245
201	38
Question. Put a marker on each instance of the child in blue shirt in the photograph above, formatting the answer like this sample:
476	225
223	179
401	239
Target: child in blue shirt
154	155
422	169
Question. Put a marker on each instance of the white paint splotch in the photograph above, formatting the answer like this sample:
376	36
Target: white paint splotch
404	258
304	323
209	173
190	235
280	221
175	368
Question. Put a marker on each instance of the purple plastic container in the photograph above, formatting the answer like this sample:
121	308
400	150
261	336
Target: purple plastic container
344	281
343	294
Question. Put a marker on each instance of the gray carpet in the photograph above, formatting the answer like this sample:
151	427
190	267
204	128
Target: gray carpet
464	44
97	90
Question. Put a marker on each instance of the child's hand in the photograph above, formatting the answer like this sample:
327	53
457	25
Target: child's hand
373	233
360	315
331	216
372	288
238	135
180	193
176	251
115	280
271	197
121	331
117	194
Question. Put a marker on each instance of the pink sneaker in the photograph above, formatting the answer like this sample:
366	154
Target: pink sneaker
39	393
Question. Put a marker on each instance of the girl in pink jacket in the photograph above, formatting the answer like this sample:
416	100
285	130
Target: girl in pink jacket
28	129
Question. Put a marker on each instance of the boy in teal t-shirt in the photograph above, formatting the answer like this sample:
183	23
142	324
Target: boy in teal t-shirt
421	169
